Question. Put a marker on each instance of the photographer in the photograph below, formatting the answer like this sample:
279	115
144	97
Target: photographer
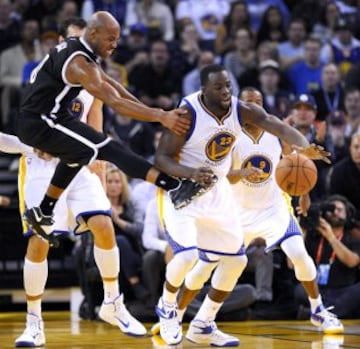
336	254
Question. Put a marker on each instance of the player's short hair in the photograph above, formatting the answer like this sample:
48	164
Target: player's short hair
209	69
75	21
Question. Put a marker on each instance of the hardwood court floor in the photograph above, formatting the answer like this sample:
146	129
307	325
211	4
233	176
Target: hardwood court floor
66	331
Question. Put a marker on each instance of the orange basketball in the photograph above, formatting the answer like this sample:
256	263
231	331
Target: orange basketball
296	174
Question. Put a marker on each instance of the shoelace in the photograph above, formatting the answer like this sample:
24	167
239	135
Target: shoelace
327	312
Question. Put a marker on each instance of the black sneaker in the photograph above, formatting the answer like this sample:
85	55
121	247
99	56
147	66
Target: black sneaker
41	225
187	191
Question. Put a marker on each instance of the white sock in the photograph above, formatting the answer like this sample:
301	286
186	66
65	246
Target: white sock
315	302
208	310
108	262
180	314
169	297
34	307
35	277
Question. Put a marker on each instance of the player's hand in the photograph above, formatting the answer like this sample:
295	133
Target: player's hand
252	174
314	152
176	121
304	204
204	176
42	155
4	201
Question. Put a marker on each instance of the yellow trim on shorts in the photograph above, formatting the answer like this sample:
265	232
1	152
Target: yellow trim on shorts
21	190
287	198
160	206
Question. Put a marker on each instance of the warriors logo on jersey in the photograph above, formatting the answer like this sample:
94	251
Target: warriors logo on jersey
76	108
261	162
219	145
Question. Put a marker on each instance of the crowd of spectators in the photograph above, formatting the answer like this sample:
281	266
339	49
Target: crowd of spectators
286	49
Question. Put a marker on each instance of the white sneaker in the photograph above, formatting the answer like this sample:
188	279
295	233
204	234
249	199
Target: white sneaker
116	314
202	332
170	329
33	335
326	321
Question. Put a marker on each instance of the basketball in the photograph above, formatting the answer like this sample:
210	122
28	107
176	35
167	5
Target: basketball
296	174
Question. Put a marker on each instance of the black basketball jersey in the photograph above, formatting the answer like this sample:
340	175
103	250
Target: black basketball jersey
48	91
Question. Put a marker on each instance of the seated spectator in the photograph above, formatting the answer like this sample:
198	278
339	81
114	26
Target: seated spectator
191	81
277	101
12	62
185	52
128	226
132	50
309	11
305	75
155	15
243	57
337	126
302	117
158	83
343	178
206	15
324	29
352	108
118	8
344	48
238	18
292	50
158	252
9	26
272	27
330	96
261	264
68	9
48	40
257	9
336	255
265	51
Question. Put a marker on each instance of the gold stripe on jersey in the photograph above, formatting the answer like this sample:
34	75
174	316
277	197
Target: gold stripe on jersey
256	140
160	206
21	189
219	120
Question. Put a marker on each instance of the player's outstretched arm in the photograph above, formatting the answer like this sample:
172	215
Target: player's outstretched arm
256	115
87	74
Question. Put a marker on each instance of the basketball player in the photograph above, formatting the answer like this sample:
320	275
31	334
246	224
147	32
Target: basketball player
88	203
271	217
44	121
207	229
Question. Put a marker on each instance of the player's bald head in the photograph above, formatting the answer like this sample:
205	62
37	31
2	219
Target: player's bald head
102	33
102	19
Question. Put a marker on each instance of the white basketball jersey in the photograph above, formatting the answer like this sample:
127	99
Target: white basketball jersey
263	153
81	105
211	139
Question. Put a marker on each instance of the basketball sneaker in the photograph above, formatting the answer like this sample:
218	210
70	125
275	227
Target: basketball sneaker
187	191
326	321
202	332
170	328
41	225
116	314
33	335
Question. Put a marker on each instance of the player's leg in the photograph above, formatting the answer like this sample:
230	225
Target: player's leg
107	259
202	328
88	202
305	272
78	144
182	235
35	276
